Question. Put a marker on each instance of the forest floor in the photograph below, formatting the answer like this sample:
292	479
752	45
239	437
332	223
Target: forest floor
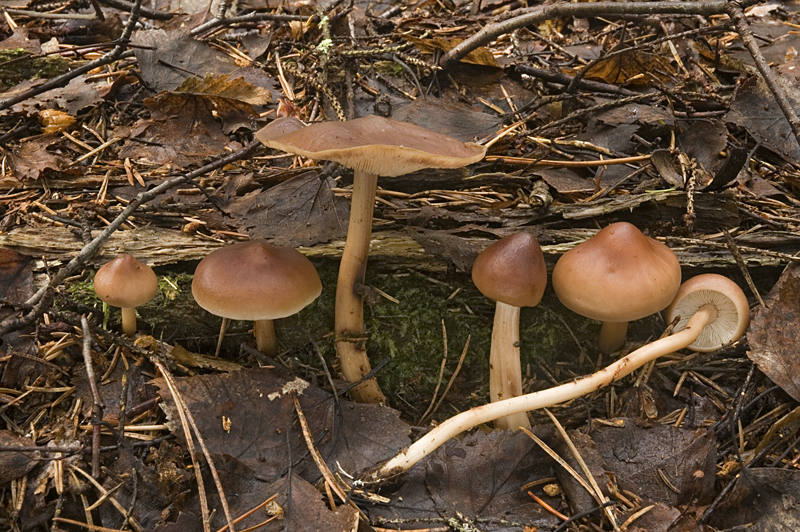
129	128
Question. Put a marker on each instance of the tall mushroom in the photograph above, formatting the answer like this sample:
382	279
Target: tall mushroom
372	146
512	272
256	281
618	275
710	306
126	283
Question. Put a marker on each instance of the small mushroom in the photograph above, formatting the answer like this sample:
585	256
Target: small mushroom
618	275
705	302
512	272
372	146
126	283
258	282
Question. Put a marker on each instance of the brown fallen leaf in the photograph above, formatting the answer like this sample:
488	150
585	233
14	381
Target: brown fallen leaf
31	159
15	464
774	331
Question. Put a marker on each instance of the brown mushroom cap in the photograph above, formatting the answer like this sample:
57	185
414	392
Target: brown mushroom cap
125	282
733	311
618	275
255	281
512	271
371	144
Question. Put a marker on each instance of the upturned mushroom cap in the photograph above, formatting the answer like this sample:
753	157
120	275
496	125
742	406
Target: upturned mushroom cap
255	281
618	275
125	282
733	311
512	271
371	144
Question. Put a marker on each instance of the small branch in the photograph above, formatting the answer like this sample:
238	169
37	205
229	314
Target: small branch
735	11
559	10
97	401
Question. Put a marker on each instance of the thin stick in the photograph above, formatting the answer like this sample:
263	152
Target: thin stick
454	375
97	400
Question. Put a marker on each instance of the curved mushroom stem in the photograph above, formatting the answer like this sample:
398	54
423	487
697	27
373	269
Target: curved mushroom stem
129	321
612	336
505	374
532	401
350	333
266	341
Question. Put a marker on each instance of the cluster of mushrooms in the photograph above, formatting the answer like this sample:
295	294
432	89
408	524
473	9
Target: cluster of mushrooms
617	276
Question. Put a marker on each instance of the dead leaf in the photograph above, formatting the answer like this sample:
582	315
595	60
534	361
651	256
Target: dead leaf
635	67
263	434
480	56
763	500
15	464
183	129
169	56
31	159
480	478
222	86
774	331
302	211
754	108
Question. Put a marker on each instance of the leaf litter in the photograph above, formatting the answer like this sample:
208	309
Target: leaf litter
663	465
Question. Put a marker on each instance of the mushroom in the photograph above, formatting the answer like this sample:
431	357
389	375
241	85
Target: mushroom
512	272
715	307
126	283
617	276
372	146
256	281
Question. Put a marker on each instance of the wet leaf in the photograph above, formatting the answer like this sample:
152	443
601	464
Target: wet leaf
480	56
16	277
480	477
754	108
224	87
302	211
774	331
763	500
15	464
169	56
183	129
32	159
634	67
263	433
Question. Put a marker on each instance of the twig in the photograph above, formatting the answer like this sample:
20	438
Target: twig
97	401
562	10
441	375
734	10
452	377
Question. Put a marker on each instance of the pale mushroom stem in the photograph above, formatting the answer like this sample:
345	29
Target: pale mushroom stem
350	332
612	336
266	341
129	321
505	373
545	398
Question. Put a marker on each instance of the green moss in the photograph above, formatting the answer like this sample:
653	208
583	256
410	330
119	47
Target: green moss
388	68
27	66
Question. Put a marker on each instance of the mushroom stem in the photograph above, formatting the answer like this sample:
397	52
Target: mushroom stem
129	321
545	398
612	336
350	333
266	341
505	374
